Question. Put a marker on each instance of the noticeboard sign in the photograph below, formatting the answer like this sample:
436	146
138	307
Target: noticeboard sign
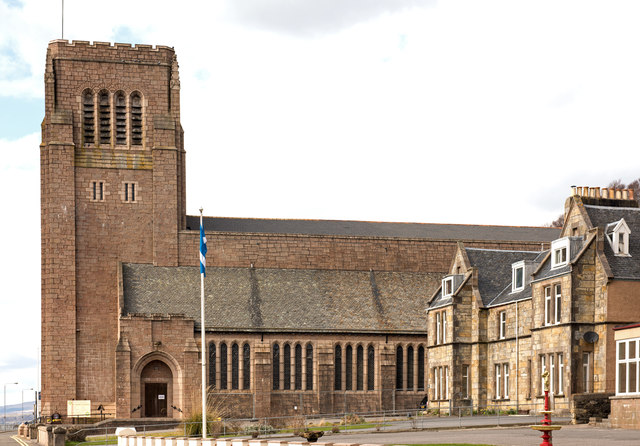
79	408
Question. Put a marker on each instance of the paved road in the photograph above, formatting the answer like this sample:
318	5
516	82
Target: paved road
6	440
457	422
569	435
582	435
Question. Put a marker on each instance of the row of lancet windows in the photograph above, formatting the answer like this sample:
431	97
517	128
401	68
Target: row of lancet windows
292	370
227	369
344	361
117	116
410	368
293	367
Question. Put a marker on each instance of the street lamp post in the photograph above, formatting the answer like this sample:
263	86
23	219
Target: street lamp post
22	404
5	404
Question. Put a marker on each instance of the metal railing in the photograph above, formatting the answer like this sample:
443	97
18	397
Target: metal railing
494	414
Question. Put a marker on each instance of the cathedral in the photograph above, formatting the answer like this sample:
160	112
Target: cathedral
302	316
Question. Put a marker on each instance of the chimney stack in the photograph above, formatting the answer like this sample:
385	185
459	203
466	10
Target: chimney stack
605	196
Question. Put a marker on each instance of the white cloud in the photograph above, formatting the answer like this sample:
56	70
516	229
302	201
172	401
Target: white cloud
314	17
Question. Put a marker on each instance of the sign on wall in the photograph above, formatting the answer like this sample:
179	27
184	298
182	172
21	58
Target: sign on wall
79	408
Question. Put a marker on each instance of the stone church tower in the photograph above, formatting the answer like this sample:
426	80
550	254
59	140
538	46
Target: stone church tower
112	190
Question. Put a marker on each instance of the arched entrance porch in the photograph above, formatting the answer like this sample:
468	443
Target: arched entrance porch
156	389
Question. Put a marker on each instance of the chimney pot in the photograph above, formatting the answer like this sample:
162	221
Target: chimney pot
597	192
612	193
618	194
625	194
585	191
574	191
605	192
578	190
592	192
631	194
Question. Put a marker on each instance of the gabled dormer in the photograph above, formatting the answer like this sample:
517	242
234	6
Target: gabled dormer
618	234
563	250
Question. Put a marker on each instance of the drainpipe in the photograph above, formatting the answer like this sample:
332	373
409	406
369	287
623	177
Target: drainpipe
517	363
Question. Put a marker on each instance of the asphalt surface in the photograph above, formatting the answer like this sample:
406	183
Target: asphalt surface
441	430
582	435
6	440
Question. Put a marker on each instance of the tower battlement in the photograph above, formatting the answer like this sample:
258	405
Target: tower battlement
63	46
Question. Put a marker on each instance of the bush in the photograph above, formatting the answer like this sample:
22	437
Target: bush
335	429
216	410
351	418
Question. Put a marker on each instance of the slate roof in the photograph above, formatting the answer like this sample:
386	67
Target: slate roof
283	300
622	267
375	229
439	301
494	276
494	273
546	272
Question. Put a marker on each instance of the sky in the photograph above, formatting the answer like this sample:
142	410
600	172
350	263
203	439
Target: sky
406	110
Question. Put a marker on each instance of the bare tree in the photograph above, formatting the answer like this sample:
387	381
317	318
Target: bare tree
557	223
617	184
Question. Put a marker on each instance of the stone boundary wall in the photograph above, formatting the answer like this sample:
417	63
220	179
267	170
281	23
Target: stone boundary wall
132	440
625	412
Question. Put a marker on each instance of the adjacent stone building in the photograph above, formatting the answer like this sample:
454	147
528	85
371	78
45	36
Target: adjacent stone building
302	316
501	318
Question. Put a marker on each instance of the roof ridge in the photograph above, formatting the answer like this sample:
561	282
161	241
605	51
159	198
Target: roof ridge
373	221
611	207
503	250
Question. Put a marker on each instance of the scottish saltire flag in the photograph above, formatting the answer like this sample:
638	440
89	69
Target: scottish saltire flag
203	250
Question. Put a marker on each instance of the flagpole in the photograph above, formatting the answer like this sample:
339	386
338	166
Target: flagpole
202	329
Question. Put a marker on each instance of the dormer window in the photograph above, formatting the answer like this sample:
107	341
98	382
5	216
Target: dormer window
517	280
618	236
559	252
447	286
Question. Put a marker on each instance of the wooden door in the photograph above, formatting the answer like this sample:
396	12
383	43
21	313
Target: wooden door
155	400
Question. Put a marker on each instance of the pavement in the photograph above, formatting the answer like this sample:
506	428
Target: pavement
444	430
7	440
583	435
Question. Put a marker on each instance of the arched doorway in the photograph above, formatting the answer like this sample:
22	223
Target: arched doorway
156	389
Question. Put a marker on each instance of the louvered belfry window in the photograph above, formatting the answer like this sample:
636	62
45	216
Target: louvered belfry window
88	118
121	118
136	119
104	117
